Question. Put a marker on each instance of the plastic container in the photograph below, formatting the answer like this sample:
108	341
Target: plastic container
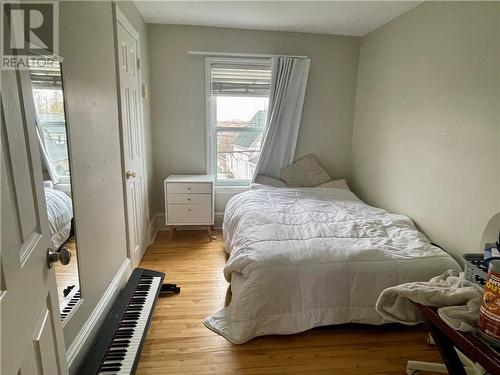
475	270
491	252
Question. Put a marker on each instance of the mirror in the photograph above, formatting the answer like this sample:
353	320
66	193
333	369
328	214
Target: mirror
52	131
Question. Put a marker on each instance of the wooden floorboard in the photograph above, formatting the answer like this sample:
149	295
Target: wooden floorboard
67	275
179	343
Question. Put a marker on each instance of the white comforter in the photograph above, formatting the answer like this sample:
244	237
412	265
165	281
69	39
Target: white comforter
60	213
302	258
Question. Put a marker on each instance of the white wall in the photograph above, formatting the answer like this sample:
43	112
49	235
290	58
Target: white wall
178	95
426	140
90	83
87	47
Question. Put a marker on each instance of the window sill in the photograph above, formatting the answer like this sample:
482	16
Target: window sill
231	189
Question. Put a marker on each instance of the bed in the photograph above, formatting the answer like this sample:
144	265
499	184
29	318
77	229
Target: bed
60	215
306	257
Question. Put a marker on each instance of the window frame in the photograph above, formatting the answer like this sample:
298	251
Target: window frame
61	180
210	116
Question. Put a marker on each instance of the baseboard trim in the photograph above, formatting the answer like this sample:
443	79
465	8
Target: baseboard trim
151	231
85	337
218	218
158	224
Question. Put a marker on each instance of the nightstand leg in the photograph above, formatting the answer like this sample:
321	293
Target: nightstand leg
209	229
171	233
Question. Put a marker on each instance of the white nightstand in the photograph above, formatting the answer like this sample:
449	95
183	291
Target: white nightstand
189	200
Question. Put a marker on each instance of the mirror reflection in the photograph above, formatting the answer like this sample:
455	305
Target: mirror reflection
48	95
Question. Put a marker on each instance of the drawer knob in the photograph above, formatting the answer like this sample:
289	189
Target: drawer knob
189	209
189	199
189	188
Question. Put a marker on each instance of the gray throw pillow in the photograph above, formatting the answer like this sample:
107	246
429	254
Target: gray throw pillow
304	172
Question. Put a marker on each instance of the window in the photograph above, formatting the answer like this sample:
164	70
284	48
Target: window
237	102
49	104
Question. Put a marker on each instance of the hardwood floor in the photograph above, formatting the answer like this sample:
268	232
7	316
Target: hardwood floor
179	343
68	274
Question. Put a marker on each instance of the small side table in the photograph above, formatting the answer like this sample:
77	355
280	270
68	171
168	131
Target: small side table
447	339
189	200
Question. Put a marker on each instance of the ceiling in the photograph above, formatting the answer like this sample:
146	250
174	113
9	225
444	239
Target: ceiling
355	18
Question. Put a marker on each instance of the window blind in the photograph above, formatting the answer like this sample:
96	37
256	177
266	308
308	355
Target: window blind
240	80
46	78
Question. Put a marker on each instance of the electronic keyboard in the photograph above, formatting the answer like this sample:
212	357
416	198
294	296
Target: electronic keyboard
119	345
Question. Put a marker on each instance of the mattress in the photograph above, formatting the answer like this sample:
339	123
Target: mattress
306	257
60	213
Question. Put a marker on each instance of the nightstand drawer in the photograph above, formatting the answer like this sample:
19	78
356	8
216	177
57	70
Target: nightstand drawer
185	188
189	213
189	199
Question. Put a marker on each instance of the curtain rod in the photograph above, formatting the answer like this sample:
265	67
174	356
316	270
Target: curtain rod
233	54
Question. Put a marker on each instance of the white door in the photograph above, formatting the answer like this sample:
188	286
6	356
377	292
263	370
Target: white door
32	338
132	140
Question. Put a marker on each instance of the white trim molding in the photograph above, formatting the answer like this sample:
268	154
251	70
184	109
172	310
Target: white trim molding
218	219
85	338
231	189
233	54
210	113
121	19
158	224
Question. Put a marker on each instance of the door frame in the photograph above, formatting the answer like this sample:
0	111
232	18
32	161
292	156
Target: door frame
120	18
72	191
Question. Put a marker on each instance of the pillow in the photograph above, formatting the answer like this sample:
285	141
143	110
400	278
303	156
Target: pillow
269	181
304	172
338	184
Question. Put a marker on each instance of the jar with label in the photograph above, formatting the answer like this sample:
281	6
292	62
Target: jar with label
489	312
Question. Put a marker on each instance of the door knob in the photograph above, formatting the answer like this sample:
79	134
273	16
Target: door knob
129	174
63	256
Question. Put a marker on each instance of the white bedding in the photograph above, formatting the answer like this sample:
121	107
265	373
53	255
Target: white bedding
60	213
302	258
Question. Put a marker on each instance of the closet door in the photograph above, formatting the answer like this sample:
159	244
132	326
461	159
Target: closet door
32	337
132	137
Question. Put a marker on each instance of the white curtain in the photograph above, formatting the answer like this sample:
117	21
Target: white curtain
288	88
47	163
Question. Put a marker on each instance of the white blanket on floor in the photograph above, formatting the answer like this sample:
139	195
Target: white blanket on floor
458	301
302	258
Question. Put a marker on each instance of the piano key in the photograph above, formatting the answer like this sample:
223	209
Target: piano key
113	358
130	333
139	333
111	366
123	334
